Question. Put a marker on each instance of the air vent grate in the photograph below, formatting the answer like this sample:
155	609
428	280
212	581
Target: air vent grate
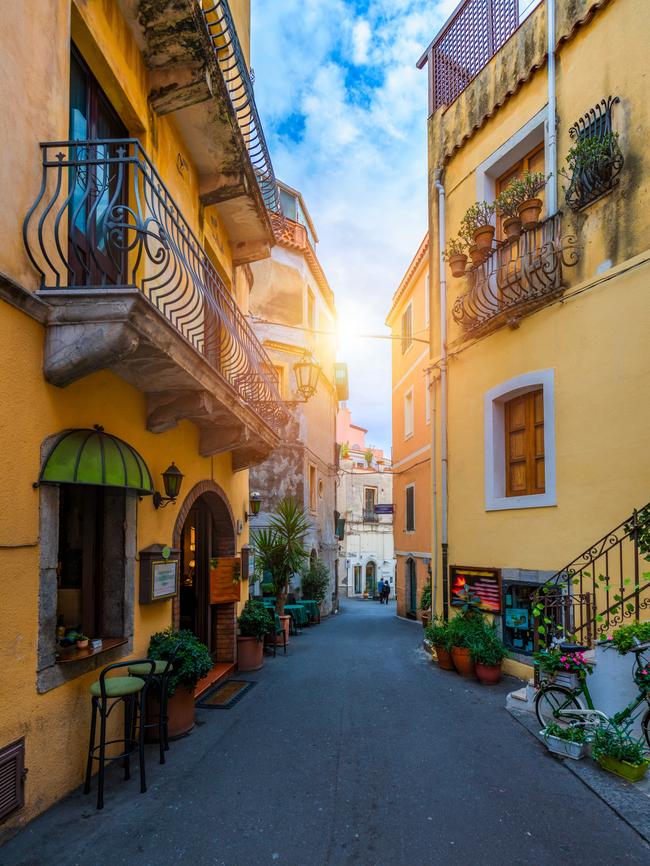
12	777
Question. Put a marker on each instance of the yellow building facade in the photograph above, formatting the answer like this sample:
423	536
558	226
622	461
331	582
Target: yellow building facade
132	213
539	349
412	441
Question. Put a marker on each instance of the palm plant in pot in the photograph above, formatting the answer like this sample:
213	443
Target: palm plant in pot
437	634
280	552
255	622
191	662
488	653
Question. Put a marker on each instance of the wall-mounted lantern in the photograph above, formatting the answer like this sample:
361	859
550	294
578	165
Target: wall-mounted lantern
172	480
254	503
307	372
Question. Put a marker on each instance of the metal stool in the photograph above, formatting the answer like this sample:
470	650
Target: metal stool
159	679
107	693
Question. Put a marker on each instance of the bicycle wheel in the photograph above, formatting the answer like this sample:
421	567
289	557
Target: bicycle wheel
550	700
645	727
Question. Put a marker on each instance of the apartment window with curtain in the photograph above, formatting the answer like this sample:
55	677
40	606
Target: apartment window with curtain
409	507
408	413
407	328
524	435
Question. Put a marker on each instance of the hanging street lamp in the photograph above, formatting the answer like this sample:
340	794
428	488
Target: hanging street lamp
254	503
307	372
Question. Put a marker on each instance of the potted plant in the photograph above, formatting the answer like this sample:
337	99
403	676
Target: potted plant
255	622
623	638
280	552
591	166
488	653
192	662
526	190
507	204
564	667
437	634
425	604
569	742
617	752
82	641
456	256
476	225
314	580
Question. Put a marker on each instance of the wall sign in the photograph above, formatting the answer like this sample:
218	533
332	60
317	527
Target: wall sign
384	508
484	582
225	575
158	573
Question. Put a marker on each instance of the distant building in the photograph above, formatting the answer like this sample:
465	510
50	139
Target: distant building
294	316
365	529
411	414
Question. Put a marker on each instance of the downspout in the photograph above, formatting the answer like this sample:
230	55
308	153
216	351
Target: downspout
443	395
434	485
551	150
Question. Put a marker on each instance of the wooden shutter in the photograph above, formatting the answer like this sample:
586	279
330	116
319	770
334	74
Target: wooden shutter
12	777
532	162
410	509
524	430
407	328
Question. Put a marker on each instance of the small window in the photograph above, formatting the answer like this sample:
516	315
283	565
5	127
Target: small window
369	501
312	487
408	413
524	433
321	488
407	328
279	373
410	508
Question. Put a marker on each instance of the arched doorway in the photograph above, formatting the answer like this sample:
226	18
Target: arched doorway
411	589
204	529
371	579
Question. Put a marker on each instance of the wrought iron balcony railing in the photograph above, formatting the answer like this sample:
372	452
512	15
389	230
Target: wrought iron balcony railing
105	219
223	34
518	276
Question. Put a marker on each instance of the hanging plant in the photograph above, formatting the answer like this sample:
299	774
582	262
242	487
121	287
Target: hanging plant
592	165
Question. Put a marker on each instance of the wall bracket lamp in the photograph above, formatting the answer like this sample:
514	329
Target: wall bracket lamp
172	480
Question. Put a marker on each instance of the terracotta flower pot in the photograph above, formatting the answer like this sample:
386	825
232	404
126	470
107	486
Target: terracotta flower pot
250	654
512	228
483	237
463	661
458	264
489	675
180	712
529	212
477	256
285	619
445	661
82	644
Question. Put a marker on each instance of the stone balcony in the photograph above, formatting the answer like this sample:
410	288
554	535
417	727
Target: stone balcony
129	288
197	72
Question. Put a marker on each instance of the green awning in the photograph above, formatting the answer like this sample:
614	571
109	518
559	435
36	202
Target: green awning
95	457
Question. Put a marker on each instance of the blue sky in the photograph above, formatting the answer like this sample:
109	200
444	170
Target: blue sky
344	111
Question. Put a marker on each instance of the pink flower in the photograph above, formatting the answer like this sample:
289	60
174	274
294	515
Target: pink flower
566	666
562	658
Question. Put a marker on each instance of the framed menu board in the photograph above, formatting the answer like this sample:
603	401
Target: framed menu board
484	583
159	567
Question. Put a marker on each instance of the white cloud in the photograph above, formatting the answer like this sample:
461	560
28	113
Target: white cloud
349	83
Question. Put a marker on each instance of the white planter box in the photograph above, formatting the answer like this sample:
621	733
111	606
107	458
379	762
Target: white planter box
565	748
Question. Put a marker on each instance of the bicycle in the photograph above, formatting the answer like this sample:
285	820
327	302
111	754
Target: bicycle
556	703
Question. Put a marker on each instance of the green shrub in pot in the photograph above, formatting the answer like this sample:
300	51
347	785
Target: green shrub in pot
255	620
192	661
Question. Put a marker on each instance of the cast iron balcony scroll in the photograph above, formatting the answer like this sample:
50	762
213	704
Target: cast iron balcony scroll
599	159
223	34
104	219
518	276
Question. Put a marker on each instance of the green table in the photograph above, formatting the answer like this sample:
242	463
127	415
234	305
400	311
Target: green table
298	614
312	608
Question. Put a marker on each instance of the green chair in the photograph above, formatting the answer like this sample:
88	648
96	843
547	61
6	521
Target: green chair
107	693
275	630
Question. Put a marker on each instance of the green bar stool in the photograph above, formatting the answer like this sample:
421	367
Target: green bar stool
107	693
159	679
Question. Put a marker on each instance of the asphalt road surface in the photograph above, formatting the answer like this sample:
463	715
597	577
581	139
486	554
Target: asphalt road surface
354	750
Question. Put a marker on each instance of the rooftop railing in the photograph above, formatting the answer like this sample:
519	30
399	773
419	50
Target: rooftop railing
105	219
227	48
474	33
518	276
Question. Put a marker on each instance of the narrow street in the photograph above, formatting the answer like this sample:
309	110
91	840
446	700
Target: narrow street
354	750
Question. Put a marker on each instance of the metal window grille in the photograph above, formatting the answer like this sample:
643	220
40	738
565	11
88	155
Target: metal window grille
12	777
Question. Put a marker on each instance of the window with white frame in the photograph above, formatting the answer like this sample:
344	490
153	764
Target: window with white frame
519	433
409	508
408	413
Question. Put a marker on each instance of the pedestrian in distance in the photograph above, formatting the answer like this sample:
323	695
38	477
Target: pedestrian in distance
385	592
380	590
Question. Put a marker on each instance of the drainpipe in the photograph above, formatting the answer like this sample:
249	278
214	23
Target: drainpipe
551	151
443	395
434	465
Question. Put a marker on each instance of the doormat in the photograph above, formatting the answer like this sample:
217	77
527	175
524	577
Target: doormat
224	695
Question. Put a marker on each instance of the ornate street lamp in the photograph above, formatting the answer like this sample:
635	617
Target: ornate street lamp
307	372
254	503
172	479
